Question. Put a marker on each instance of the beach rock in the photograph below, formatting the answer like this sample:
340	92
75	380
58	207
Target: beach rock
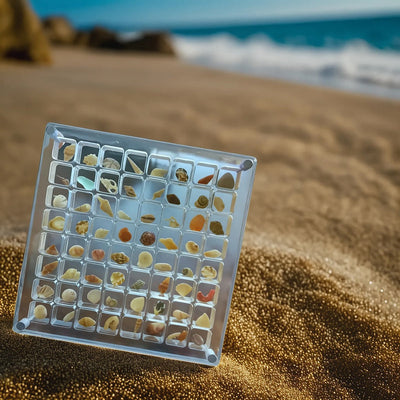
21	33
154	42
59	31
103	38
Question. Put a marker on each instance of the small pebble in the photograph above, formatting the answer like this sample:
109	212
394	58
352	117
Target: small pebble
216	228
147	238
173	199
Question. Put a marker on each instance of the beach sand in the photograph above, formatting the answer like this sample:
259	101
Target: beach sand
315	311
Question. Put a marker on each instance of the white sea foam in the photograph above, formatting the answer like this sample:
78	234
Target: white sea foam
258	55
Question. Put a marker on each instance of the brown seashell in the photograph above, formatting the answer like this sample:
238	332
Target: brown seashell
93	279
130	191
163	286
206	179
44	292
173	199
201	202
226	181
147	238
216	228
124	235
48	268
82	227
76	251
219	204
181	174
155	328
120	258
87	322
148	218
52	250
111	163
63	180
69	152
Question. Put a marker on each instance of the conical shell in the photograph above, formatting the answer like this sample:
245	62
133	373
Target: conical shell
105	206
135	167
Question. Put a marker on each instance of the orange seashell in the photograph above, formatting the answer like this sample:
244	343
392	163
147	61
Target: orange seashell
182	336
163	286
124	235
49	268
206	179
93	279
197	223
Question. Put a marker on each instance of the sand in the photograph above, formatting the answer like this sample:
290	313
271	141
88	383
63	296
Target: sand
315	312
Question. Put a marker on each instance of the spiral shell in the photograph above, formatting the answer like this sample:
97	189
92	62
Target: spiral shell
60	201
201	202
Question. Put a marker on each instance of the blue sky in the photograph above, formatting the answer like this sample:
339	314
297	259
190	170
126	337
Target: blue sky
164	13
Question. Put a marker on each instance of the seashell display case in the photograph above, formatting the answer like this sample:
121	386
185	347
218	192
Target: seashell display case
133	244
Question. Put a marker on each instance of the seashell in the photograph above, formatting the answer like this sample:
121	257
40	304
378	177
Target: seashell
197	223
212	253
110	302
52	250
69	317
82	227
219	204
147	238
206	298
110	185
98	254
111	163
40	312
160	172
159	308
130	191
105	206
158	194
68	295
124	235
181	174
76	251
83	208
57	223
48	268
134	166
181	336
180	315
173	223
155	328
145	259
163	286
201	202
209	272
206	179
71	274
197	339
173	199
148	218
69	152
216	228
168	243
187	272
163	267
94	296
138	325
93	279
63	180
117	278
120	258
137	304
111	323
44	292
183	289
192	247
90	159
226	181
86	183
101	233
203	321
87	322
60	201
138	285
121	214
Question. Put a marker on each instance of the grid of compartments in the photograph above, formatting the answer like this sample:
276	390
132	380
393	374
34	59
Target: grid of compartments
132	244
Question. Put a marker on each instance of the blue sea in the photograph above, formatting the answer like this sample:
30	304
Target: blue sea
354	54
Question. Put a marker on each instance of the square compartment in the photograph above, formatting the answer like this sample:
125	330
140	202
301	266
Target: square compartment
165	257
85	153
99	200
100	245
89	269
200	310
165	234
103	318
224	201
215	243
199	333
42	262
185	165
154	190
139	256
58	314
131	327
86	291
152	335
120	285
204	288
101	223
137	163
127	227
183	306
217	222
42	283
227	178
78	199
108	182
150	208
60	152
82	313
134	182
84	178
127	307
112	300
160	279
141	235
64	266
184	281
127	208
61	287
191	214
48	239
156	164
173	217
52	192
203	170
78	224
49	215
108	156
69	252
190	240
200	198
151	305
210	271
60	173
176	195
139	281
120	248
190	263
173	330
43	321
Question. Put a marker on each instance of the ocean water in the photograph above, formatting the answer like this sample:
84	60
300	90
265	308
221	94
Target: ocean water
358	54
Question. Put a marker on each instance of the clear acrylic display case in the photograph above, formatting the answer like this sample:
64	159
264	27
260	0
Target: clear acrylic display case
133	244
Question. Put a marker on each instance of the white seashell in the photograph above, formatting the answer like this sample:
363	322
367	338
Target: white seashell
57	223
40	312
101	233
145	259
60	201
68	295
110	185
111	163
163	267
69	317
123	215
94	296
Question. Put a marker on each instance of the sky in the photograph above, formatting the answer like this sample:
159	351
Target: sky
170	13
